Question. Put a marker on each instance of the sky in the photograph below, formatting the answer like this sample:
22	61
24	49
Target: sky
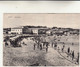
41	19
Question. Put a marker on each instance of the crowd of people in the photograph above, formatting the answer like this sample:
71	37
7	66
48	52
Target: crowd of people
39	43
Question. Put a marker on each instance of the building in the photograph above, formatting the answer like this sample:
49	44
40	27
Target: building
26	30
48	32
17	30
42	31
59	33
6	30
34	30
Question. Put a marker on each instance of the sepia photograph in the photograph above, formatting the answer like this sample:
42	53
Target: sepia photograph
39	0
41	39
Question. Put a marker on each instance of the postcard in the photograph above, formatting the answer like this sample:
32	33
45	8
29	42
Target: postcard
41	39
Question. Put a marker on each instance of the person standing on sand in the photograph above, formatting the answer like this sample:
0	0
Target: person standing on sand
55	45
78	59
40	46
34	46
46	49
43	44
52	44
63	48
47	46
72	55
68	50
63	45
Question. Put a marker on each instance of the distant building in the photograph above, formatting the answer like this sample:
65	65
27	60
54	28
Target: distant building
42	31
26	30
59	33
38	30
34	30
17	30
6	30
48	32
